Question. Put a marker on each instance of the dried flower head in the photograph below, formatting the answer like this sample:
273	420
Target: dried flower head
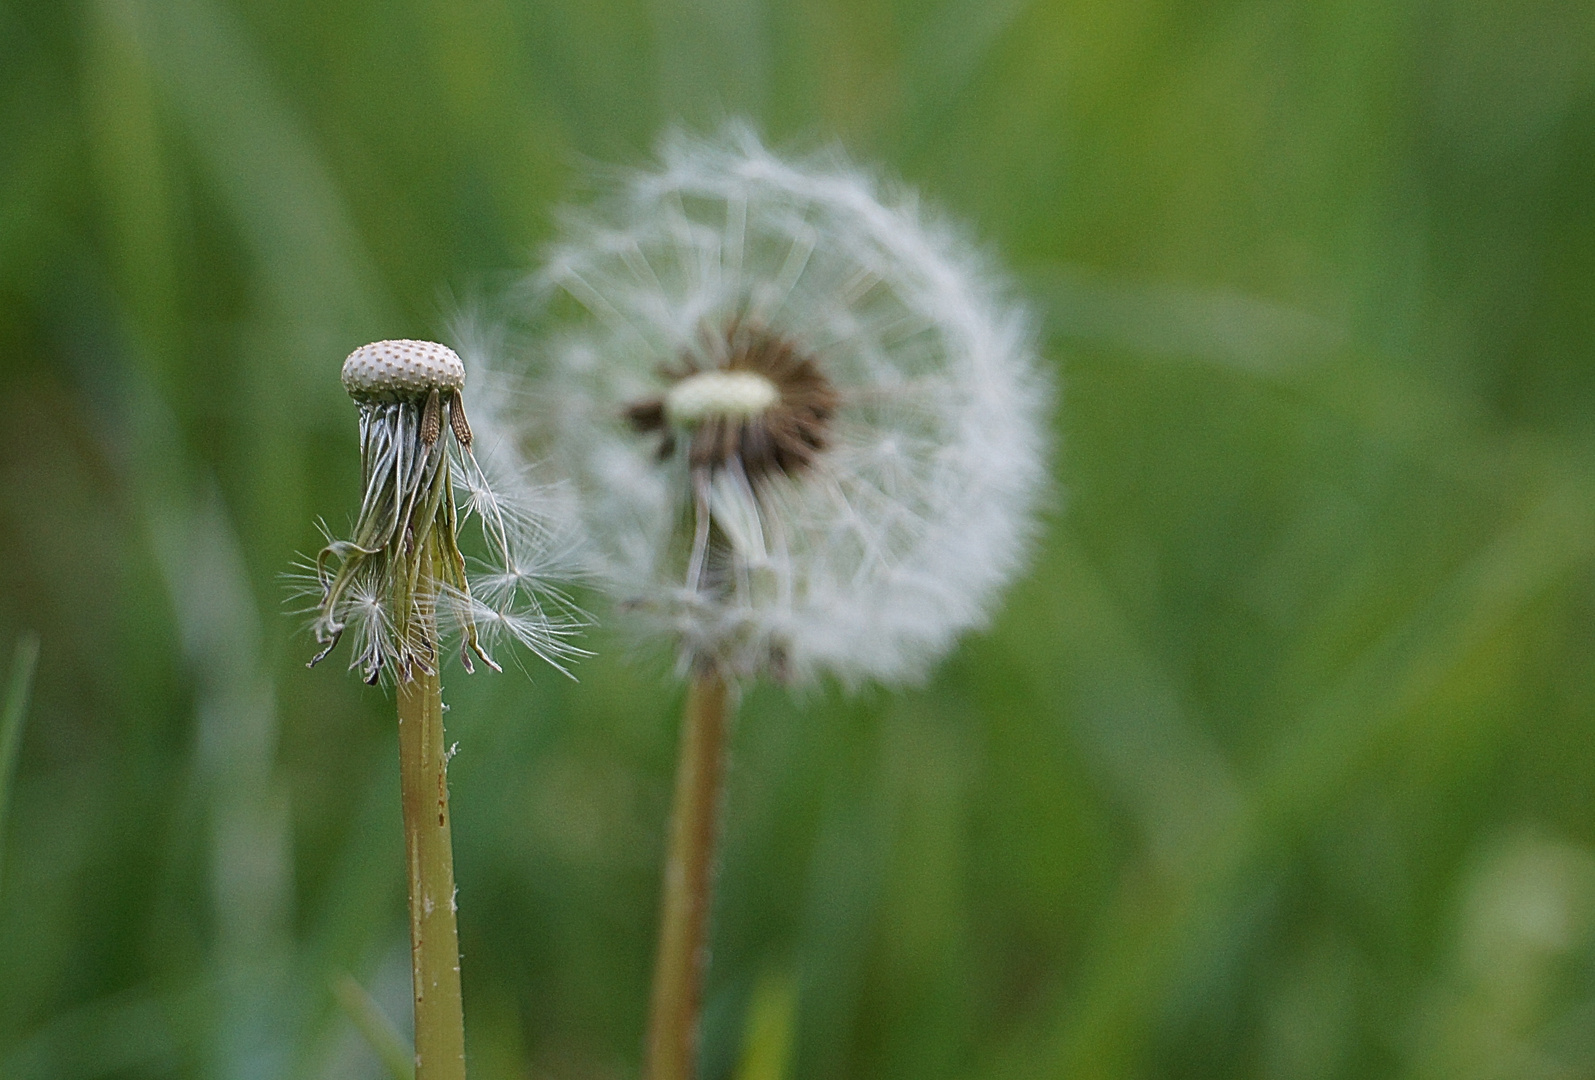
806	426
401	581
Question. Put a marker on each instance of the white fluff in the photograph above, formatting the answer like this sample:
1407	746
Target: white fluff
868	564
509	594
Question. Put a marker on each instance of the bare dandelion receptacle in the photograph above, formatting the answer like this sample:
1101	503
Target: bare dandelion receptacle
401	582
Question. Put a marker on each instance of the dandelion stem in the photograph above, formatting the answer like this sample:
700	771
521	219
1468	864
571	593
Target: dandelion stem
672	1050
434	937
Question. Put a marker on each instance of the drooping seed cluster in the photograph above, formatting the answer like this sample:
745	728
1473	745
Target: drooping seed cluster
400	583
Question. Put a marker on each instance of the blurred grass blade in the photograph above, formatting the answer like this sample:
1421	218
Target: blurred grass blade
23	661
314	273
1104	1029
767	1045
1228	329
380	1033
141	1031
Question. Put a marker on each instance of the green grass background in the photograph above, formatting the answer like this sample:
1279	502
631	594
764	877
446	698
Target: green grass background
1277	764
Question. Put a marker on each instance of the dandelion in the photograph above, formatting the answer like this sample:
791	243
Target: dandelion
401	583
401	579
806	427
804	422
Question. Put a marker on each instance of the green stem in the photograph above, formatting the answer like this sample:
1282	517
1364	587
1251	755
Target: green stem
672	1050
429	854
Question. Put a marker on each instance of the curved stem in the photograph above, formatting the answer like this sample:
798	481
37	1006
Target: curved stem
688	894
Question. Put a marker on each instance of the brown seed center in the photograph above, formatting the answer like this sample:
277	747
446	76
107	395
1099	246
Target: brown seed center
766	407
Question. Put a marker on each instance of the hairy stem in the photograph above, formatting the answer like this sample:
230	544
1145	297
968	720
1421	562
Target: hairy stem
429	854
672	1049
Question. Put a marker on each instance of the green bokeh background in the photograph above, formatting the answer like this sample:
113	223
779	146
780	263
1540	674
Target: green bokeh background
1276	764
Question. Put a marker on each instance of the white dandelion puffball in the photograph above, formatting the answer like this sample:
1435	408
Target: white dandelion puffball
805	424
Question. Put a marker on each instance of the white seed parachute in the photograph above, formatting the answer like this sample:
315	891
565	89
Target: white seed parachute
804	420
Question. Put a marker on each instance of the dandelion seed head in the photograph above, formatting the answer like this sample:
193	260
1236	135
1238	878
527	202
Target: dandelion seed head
804	419
400	585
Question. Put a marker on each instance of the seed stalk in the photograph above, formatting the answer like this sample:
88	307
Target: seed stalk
429	856
688	893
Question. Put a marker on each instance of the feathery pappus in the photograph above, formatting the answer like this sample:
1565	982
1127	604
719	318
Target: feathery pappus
401	583
804	419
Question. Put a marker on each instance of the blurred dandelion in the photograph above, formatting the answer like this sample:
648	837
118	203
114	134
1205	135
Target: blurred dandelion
401	582
805	425
804	422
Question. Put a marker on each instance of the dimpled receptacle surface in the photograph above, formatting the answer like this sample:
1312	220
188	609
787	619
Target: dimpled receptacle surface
397	370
